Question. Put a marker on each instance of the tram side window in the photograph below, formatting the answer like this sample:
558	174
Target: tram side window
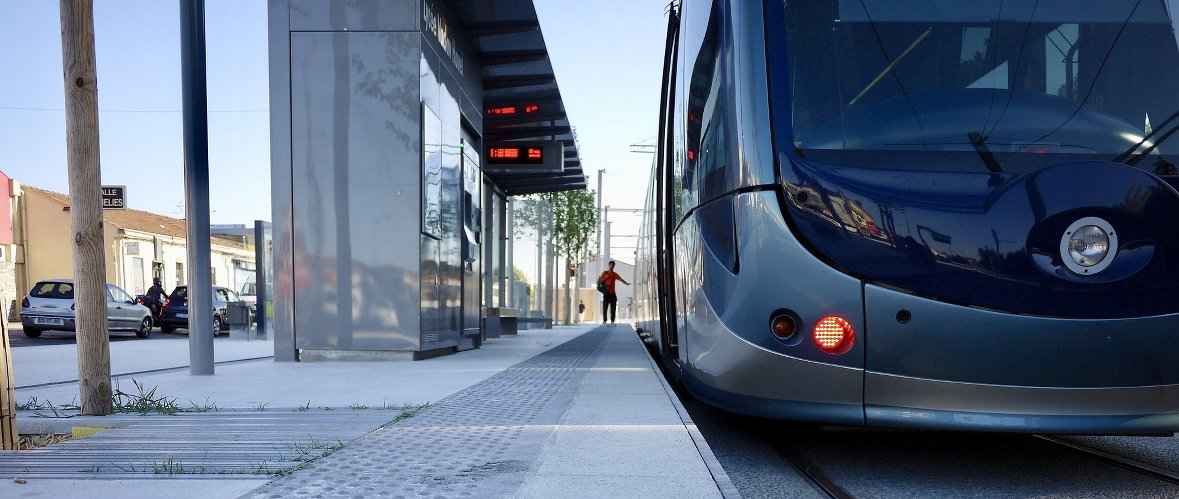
708	132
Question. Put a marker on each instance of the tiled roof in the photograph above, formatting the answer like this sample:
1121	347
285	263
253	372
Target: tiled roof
139	220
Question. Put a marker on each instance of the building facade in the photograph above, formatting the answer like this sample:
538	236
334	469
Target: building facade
139	245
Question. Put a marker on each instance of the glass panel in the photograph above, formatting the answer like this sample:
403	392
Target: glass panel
431	173
1066	77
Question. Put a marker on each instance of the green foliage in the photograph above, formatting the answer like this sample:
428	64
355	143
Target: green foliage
574	220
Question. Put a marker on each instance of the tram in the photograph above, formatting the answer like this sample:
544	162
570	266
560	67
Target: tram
919	213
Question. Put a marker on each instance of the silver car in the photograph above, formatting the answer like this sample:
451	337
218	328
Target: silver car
50	306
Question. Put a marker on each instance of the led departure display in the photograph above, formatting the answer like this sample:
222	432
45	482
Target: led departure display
515	155
513	110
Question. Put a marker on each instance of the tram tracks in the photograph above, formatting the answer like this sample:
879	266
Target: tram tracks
810	472
1146	469
825	486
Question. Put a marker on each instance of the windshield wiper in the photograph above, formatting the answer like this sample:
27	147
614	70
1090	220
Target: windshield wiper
1130	158
980	146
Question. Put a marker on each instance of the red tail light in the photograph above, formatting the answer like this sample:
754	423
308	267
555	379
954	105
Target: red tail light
834	334
24	302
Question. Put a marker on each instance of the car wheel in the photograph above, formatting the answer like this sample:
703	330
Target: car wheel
166	329
216	325
32	333
144	328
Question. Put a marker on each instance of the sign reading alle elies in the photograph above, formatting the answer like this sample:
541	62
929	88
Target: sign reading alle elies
434	22
114	197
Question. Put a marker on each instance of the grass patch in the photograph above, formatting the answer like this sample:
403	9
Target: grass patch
143	401
208	406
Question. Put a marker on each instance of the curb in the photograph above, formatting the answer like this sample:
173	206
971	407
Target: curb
723	483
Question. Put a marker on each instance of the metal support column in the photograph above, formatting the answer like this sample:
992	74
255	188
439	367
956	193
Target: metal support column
502	254
539	291
511	248
196	186
260	264
550	268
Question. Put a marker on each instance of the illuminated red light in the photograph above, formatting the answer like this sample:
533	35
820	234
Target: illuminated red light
834	334
691	155
501	111
505	153
531	108
534	153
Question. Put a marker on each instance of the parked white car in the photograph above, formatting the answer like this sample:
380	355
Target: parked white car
50	306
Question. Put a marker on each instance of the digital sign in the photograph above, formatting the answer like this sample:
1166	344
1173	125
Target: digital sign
513	110
525	157
519	155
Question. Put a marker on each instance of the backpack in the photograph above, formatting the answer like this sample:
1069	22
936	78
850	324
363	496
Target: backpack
602	286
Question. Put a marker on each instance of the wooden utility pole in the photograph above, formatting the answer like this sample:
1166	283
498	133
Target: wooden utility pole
81	106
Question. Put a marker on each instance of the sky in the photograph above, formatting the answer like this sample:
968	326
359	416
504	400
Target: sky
606	54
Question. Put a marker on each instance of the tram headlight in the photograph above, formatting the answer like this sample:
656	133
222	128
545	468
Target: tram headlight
1088	245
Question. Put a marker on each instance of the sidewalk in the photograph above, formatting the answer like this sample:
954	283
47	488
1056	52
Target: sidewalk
568	412
37	365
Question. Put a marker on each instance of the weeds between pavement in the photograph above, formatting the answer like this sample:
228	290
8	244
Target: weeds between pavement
30	441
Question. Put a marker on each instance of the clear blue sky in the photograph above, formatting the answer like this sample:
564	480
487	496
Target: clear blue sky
607	55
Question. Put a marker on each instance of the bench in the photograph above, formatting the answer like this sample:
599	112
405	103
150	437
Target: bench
535	322
500	320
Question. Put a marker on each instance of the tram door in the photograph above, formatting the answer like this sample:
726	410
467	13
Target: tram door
472	268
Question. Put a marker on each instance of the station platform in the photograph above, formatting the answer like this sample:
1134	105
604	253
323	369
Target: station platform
567	412
589	418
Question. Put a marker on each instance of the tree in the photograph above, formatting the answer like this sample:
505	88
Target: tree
575	217
81	98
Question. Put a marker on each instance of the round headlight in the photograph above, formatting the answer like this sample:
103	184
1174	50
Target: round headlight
1088	245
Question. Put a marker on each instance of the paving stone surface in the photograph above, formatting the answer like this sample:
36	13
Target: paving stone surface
479	442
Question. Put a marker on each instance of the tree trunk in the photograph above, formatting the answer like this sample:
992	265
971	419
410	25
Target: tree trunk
8	435
81	99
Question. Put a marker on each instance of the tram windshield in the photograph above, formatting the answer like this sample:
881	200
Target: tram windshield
1047	77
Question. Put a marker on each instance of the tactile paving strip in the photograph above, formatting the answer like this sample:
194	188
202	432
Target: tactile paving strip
478	442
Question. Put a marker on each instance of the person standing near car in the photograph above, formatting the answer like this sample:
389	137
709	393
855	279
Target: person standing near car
609	296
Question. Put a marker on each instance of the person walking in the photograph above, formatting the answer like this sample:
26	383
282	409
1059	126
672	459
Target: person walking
609	296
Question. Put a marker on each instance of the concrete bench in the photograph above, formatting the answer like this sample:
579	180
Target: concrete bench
535	322
500	320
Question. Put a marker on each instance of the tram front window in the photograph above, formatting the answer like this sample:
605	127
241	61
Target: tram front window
1059	77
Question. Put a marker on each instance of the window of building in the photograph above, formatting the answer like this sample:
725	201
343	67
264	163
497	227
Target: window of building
180	274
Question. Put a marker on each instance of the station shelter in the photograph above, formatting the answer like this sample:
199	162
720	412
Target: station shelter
400	130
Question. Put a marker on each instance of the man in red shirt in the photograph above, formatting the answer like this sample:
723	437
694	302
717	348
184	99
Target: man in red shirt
609	297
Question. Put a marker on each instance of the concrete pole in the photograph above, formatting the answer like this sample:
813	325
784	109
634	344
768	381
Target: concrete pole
196	186
81	98
600	217
606	259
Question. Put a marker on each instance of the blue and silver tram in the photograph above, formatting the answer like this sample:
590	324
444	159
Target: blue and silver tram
920	213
